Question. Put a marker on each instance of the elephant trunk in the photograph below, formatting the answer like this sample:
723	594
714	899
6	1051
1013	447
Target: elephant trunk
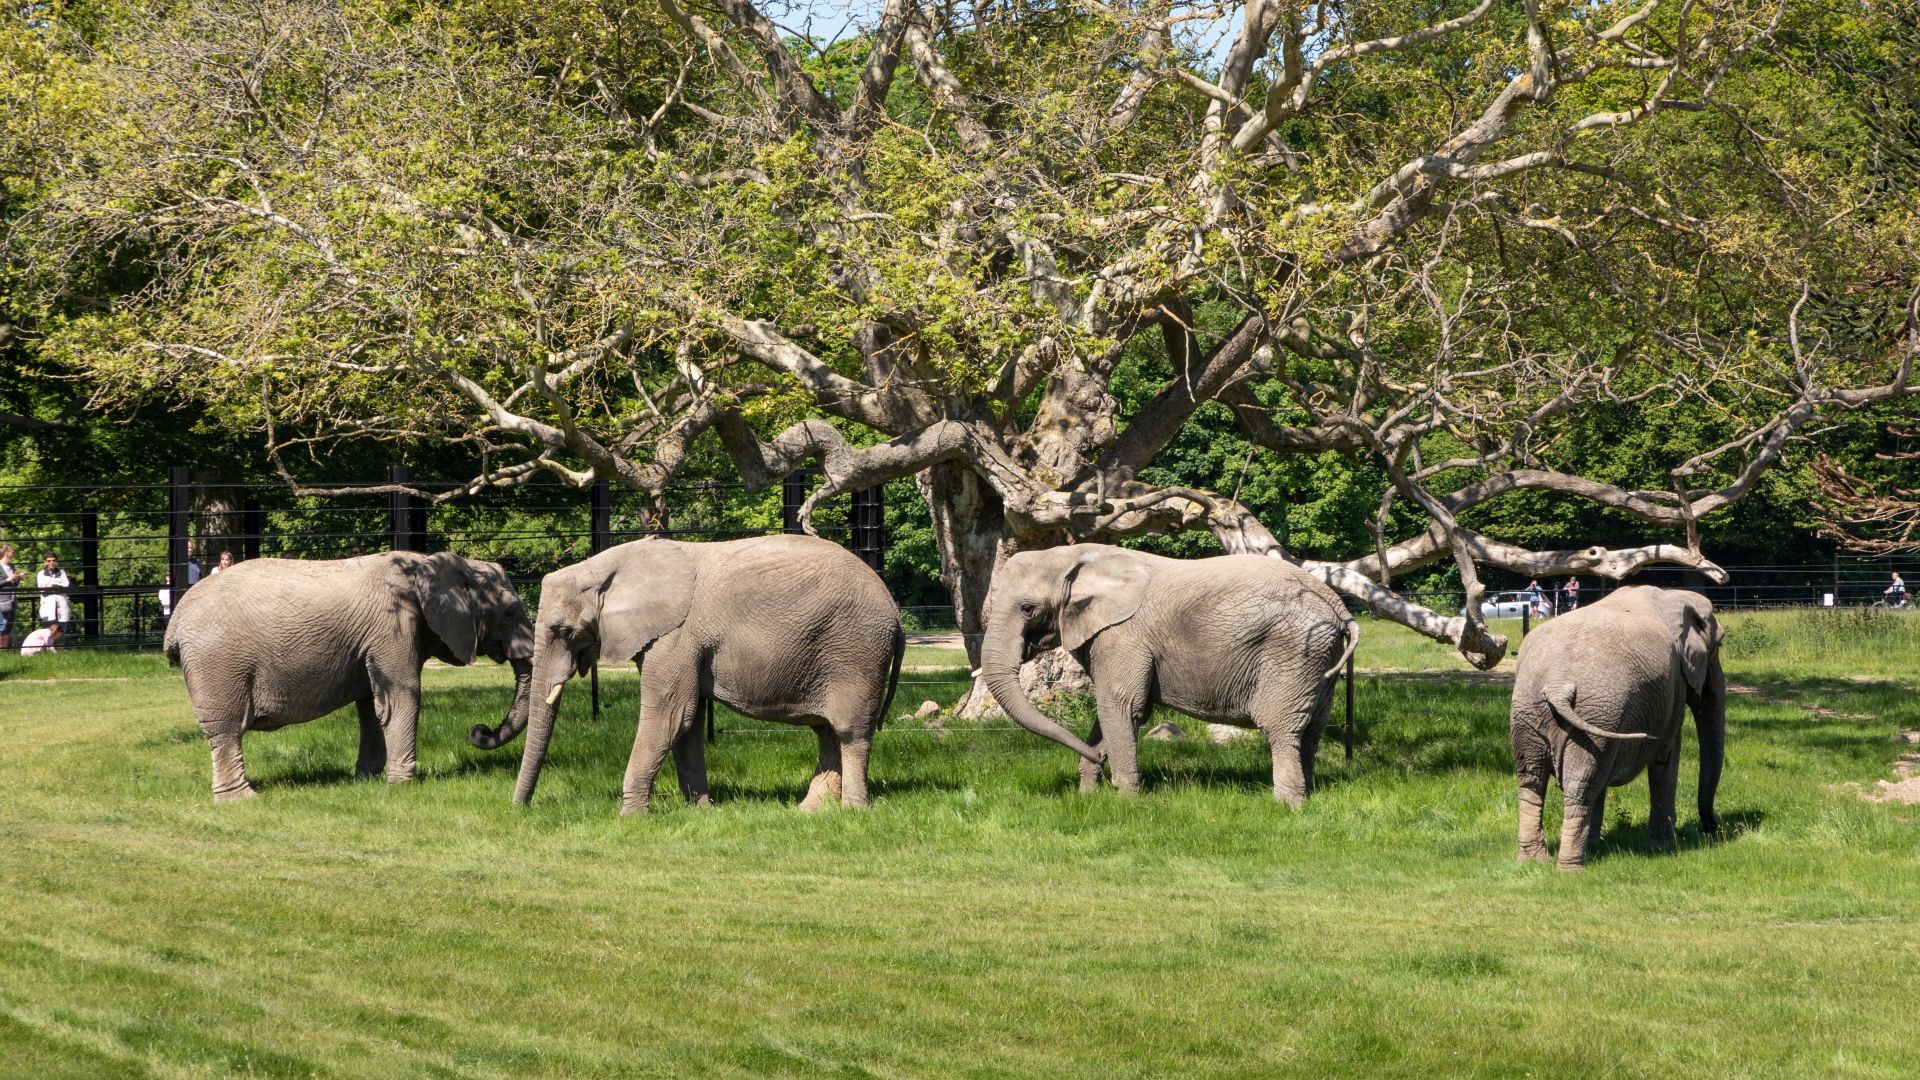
493	738
552	667
1000	665
1710	724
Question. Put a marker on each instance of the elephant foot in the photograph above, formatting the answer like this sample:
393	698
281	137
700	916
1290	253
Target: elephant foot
400	778
630	807
239	794
1663	841
1571	867
1534	855
824	789
701	800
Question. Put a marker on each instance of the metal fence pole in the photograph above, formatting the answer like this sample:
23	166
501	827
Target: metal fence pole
600	529
179	513
870	526
1349	706
253	520
90	575
401	516
793	493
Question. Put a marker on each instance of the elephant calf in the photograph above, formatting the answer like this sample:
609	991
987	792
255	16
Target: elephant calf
1598	699
273	642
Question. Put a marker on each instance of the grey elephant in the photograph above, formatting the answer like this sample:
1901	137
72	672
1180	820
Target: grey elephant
273	642
786	628
1598	699
1238	639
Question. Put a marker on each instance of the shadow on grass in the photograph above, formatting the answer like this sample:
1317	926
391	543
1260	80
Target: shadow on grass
1623	835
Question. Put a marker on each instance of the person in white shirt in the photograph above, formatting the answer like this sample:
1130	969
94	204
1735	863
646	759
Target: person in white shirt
53	585
1897	591
45	639
9	593
225	563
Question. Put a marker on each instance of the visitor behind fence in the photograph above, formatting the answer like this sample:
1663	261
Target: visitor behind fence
53	585
1570	594
45	639
9	593
1897	591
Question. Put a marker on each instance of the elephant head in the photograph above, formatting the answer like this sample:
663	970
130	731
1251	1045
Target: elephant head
1697	636
1047	599
610	607
471	609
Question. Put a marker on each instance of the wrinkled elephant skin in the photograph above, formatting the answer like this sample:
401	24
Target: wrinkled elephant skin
1599	698
273	642
1239	639
786	628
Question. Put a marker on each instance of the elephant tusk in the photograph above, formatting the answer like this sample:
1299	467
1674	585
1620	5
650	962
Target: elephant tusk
553	696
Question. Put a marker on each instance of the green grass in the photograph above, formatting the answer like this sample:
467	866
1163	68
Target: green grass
981	919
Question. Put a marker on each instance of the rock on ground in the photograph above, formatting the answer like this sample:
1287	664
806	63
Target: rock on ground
1167	732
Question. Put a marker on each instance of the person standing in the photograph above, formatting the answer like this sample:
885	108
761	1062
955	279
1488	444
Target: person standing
9	594
1895	592
53	584
1570	594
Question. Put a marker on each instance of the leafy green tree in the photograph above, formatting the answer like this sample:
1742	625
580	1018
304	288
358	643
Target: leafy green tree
1034	257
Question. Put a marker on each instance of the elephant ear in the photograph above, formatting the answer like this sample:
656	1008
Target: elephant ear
1698	642
1098	591
444	587
645	595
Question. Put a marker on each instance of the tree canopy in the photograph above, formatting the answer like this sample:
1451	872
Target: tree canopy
1081	270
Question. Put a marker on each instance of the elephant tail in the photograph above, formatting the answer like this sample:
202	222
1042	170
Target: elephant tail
1351	631
893	677
1560	702
172	646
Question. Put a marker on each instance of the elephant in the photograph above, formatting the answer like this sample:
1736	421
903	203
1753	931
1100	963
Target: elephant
789	628
1598	699
273	642
1237	639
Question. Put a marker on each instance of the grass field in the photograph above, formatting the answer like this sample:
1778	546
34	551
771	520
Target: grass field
981	919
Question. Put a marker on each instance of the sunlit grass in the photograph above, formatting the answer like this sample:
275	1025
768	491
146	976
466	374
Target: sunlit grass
982	918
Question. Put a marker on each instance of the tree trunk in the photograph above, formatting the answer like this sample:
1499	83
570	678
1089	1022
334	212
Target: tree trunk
969	525
970	528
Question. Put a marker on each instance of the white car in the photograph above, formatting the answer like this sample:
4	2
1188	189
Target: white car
1512	605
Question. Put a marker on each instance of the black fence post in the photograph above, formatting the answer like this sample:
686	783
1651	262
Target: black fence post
179	515
90	575
404	515
253	520
793	493
1350	706
870	526
600	529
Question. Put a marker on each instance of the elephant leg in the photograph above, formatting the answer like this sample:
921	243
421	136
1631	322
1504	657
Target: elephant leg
855	746
1289	771
1664	779
1090	770
690	764
669	701
825	785
1530	764
399	709
373	742
1533	805
1120	728
223	733
1580	818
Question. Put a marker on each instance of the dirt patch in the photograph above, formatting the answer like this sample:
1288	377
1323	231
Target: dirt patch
1817	710
1904	790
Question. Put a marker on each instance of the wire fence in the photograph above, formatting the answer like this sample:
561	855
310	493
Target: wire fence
117	548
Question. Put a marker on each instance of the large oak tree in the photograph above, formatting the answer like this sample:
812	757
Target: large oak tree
597	241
